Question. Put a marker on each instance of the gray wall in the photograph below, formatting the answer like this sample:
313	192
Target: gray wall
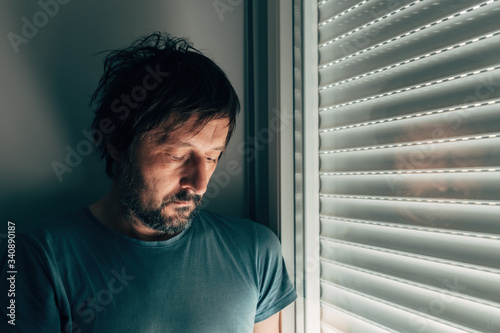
47	78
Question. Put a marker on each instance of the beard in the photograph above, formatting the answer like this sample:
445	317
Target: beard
139	210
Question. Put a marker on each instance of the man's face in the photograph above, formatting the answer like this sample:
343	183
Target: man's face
168	174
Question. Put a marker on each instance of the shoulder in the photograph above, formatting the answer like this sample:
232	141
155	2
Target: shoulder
61	228
242	230
235	224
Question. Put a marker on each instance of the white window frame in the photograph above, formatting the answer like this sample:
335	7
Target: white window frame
281	153
310	137
289	61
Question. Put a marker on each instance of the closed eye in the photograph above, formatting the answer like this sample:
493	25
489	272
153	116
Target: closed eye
177	158
184	157
211	160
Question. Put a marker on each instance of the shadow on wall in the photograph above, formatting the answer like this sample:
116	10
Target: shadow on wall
49	69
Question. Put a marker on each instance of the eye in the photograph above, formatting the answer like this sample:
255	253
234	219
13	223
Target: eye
177	158
211	160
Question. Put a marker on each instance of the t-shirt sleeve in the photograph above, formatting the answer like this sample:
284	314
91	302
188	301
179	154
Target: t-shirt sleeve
276	289
28	286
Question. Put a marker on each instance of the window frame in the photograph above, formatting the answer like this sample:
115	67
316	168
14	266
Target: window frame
293	92
281	150
310	137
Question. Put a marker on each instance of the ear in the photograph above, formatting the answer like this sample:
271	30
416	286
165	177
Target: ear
115	153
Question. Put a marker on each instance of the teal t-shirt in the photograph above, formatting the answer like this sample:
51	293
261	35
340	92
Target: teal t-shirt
222	274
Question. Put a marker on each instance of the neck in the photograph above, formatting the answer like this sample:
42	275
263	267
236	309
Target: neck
110	212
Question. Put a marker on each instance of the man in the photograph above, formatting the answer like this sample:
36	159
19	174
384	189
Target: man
144	258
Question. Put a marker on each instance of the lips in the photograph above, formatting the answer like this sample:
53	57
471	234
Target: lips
181	202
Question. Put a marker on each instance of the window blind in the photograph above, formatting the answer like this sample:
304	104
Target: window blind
409	154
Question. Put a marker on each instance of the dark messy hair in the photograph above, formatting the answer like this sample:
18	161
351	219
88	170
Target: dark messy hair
158	77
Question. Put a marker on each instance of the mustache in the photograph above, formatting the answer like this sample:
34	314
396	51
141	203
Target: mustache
182	196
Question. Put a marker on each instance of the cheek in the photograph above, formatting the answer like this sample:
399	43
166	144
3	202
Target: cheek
161	177
211	169
156	166
157	175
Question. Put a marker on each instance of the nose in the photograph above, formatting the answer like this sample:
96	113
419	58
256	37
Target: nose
195	175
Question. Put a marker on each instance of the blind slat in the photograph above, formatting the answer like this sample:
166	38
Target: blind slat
438	243
483	186
443	91
330	8
480	119
338	320
353	117
439	89
459	217
486	152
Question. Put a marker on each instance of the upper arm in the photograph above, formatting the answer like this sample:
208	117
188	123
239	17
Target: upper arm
34	291
274	286
269	325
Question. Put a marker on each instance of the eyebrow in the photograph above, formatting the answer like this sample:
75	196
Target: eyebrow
162	139
188	145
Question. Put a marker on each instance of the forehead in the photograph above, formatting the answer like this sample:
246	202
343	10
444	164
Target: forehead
191	130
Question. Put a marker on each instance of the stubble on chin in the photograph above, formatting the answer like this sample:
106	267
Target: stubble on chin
140	210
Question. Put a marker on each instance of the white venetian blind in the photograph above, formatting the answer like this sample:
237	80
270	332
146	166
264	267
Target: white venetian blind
409	129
